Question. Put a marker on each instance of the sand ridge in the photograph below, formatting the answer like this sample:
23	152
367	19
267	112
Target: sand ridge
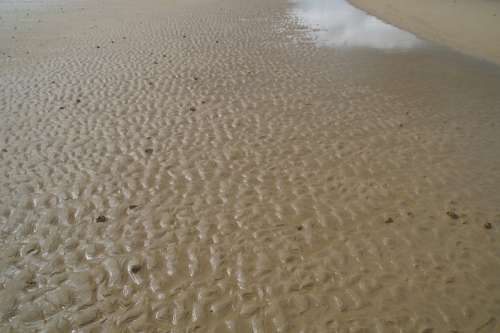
208	169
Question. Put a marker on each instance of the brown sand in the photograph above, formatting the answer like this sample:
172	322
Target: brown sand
209	169
470	26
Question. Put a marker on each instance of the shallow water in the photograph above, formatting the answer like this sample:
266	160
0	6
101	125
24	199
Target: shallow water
209	168
336	23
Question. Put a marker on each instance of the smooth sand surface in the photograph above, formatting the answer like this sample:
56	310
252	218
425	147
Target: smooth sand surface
470	26
203	166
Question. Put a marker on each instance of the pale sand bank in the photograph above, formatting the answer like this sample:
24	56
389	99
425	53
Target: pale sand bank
472	27
202	166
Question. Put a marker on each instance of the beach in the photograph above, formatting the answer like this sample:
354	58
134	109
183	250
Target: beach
243	166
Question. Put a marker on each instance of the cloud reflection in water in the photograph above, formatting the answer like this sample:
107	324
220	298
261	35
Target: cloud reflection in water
336	23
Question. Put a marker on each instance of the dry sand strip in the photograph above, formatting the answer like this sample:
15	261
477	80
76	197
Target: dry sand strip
472	27
202	166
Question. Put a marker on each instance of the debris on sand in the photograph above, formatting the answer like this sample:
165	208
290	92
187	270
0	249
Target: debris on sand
135	268
389	220
452	215
149	151
101	219
488	225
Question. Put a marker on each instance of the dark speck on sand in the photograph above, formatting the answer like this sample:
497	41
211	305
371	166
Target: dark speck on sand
101	219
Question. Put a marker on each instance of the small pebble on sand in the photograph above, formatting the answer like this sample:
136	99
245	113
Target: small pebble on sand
135	268
101	219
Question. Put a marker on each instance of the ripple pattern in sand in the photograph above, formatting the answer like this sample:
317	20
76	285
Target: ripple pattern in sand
206	169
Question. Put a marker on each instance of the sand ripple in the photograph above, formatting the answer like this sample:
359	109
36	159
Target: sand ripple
207	169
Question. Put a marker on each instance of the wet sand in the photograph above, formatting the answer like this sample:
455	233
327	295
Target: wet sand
206	166
472	27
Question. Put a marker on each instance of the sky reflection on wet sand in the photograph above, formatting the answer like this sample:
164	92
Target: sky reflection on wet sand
336	23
